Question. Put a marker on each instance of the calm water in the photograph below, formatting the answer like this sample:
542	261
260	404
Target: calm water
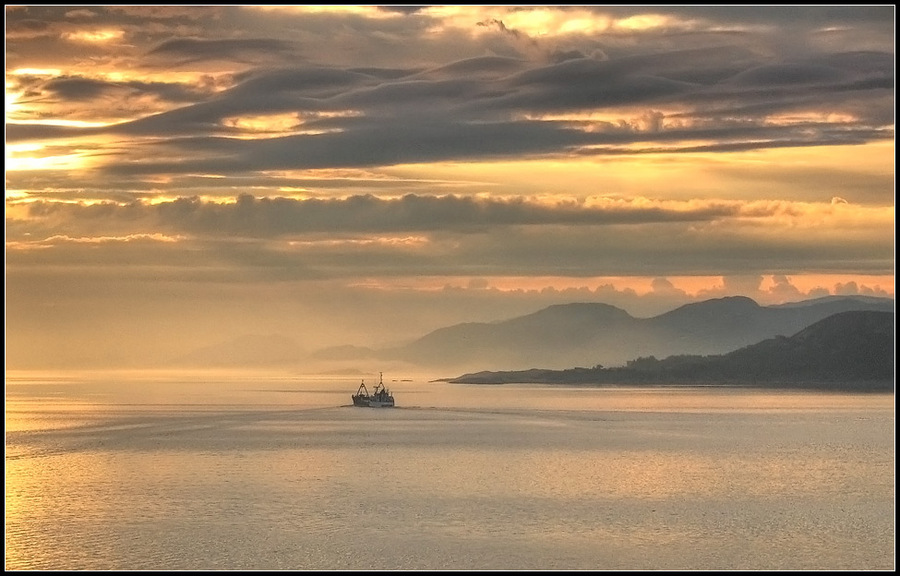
165	471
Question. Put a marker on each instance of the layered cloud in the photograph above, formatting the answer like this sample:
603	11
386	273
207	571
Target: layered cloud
452	235
444	156
713	90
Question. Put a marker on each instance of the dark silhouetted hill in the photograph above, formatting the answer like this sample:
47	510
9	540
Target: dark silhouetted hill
846	351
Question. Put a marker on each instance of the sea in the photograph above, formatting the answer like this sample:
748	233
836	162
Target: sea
253	470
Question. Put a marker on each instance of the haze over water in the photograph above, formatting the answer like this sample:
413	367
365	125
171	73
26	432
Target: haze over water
273	471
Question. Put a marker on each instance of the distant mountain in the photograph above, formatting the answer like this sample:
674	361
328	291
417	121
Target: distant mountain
567	333
847	301
247	350
588	334
845	351
344	352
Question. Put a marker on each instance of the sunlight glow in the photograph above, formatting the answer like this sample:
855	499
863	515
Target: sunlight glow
60	239
154	237
367	11
36	72
60	122
95	35
268	125
12	105
21	157
265	123
689	286
387	241
542	21
530	21
643	22
584	25
538	21
620	120
712	175
15	198
812	117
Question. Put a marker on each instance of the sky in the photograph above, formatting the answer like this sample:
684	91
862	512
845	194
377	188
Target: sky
362	175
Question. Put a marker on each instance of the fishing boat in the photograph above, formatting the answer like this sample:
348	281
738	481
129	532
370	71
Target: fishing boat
380	398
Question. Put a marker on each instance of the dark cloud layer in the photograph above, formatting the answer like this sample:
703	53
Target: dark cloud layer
450	235
181	51
448	115
272	217
86	89
295	240
673	80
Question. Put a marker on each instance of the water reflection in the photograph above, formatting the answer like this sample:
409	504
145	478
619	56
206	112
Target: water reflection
282	474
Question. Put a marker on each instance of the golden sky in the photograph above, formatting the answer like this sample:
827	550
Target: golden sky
364	174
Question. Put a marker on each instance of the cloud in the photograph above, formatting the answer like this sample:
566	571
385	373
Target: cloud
742	284
664	287
87	89
180	51
77	88
783	290
266	217
482	67
81	13
494	107
455	236
788	74
20	28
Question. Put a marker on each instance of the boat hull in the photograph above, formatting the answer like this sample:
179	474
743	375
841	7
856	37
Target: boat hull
364	402
381	403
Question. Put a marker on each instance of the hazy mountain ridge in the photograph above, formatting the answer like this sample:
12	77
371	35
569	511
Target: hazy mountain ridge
245	350
851	350
833	298
555	337
587	334
563	330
